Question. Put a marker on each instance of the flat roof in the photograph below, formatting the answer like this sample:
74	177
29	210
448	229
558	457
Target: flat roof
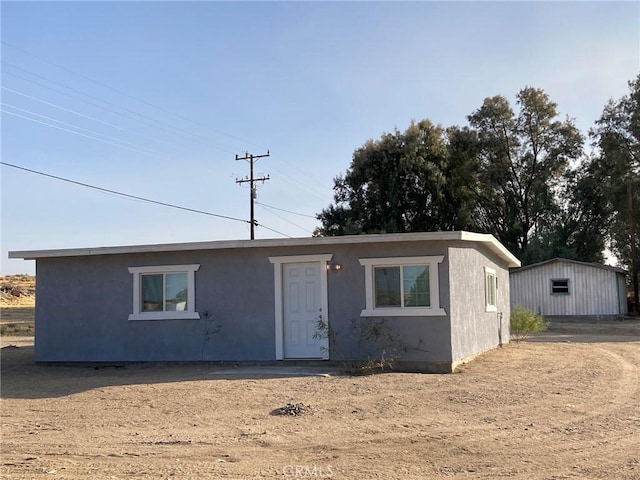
486	239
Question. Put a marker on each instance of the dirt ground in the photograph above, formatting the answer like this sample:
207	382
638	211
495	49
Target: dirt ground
562	405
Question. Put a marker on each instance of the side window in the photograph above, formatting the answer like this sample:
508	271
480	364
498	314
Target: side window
164	292
490	290
560	286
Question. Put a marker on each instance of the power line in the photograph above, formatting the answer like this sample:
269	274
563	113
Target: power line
273	230
78	133
121	92
70	125
287	211
301	185
67	110
285	219
162	125
135	197
99	106
158	124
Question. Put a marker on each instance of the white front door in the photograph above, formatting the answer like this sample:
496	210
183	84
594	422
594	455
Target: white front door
302	307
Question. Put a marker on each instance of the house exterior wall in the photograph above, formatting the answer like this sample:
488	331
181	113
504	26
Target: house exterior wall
473	329
83	305
593	291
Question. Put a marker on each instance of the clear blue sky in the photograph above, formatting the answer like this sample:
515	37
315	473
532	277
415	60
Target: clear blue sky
175	89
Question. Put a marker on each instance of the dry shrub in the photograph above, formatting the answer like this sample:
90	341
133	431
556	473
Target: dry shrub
524	322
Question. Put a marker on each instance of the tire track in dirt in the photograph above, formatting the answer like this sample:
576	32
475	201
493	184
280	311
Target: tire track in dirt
593	441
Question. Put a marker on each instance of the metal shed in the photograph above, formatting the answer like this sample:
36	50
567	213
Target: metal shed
563	287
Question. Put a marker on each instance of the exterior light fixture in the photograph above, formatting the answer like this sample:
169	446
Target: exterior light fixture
333	266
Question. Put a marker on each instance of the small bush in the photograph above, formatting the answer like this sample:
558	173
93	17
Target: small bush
524	322
377	345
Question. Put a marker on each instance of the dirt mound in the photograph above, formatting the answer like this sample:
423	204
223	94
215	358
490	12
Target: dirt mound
292	409
17	290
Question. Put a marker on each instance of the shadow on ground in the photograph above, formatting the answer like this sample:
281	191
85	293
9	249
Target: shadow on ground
23	378
590	331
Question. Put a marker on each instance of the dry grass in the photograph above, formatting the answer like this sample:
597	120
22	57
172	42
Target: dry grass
17	305
17	321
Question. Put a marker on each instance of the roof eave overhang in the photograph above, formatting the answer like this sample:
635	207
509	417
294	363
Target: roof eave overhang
488	240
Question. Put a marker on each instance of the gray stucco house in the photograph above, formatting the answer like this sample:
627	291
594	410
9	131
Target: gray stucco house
446	294
568	288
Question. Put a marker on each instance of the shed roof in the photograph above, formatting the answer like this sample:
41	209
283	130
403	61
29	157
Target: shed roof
489	241
567	260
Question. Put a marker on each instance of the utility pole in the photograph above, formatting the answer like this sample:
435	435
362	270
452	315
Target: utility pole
252	181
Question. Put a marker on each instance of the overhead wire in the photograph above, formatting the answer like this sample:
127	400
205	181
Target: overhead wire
126	94
115	192
129	148
79	133
59	107
287	211
101	107
272	230
139	198
291	165
29	112
298	184
104	136
285	219
158	124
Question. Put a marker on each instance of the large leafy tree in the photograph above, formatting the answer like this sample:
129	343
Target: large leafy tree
518	174
417	180
617	136
580	226
524	157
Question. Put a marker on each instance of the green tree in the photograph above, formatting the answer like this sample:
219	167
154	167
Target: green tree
617	136
417	180
580	227
523	159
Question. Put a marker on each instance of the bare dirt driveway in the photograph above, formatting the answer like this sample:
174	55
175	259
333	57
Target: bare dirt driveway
563	405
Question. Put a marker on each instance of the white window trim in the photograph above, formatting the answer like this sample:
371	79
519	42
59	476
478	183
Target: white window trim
487	307
434	287
188	314
324	297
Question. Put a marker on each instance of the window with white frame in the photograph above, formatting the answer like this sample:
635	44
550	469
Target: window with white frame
490	289
402	286
164	292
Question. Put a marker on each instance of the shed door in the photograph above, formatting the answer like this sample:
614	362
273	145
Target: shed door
302	307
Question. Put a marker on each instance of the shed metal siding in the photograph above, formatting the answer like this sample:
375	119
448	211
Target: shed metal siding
592	290
622	293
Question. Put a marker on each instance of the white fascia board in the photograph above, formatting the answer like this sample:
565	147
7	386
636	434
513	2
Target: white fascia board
489	240
494	245
232	244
